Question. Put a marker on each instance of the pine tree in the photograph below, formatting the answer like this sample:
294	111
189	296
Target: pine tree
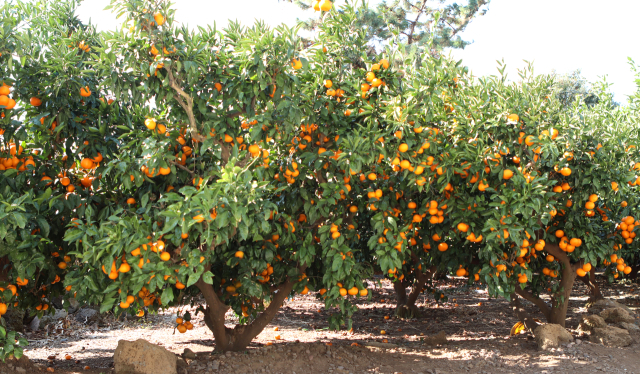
429	25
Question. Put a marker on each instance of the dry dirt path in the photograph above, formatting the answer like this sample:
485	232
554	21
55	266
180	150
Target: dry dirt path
476	326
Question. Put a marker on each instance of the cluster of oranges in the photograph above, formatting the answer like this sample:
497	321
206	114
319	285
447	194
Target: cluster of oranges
183	325
5	98
325	6
15	162
626	228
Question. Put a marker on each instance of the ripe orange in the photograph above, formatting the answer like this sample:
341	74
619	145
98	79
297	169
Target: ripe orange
326	6
35	101
507	174
565	171
403	147
296	64
85	91
150	123
86	163
239	254
159	18
165	256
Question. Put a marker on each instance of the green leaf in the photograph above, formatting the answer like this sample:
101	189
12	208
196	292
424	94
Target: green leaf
167	296
207	277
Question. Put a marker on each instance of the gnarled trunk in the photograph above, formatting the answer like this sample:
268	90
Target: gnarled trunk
406	304
238	338
557	312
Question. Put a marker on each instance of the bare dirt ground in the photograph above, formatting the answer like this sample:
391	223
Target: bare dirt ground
476	326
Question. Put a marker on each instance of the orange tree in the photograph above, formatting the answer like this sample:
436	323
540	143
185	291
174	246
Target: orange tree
237	170
501	186
155	166
42	73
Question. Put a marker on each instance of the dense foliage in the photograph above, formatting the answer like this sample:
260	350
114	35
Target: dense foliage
156	165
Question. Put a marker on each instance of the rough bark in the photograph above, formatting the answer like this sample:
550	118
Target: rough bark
560	300
635	271
238	338
557	312
406	304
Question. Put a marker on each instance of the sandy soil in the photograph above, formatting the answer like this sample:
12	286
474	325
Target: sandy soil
477	329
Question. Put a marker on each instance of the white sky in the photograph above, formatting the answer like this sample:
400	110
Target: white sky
565	35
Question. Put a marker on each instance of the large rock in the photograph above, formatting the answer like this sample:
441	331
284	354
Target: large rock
551	336
617	315
631	327
611	336
87	315
601	305
142	357
51	318
588	323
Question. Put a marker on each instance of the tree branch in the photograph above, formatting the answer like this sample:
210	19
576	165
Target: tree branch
182	167
544	308
187	106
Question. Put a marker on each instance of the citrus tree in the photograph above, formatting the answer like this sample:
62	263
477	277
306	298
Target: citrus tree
156	166
183	165
516	193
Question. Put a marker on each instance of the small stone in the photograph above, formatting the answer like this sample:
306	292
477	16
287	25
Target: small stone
214	365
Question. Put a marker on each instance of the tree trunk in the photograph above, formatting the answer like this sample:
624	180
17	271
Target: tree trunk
557	312
594	289
635	271
406	304
238	338
560	300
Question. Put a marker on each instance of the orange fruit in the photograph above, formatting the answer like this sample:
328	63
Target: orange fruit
150	123
85	91
35	101
159	18
86	163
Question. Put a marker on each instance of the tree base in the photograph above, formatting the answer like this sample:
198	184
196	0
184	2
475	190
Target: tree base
407	312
